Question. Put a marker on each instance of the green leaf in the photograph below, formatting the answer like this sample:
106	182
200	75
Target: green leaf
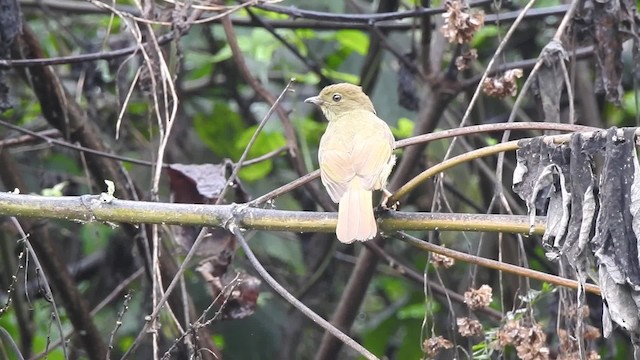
219	130
395	288
260	45
354	40
341	76
629	103
56	190
376	340
95	237
219	341
62	163
404	129
484	34
309	78
266	142
417	310
312	130
287	251
336	59
410	347
491	141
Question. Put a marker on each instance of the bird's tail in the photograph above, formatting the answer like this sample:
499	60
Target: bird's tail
355	214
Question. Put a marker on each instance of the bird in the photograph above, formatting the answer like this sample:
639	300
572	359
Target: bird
355	157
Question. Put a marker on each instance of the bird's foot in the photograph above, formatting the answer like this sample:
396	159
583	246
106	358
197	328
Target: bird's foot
386	194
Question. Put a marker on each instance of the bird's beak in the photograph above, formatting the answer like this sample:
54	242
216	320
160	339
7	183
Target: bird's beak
314	100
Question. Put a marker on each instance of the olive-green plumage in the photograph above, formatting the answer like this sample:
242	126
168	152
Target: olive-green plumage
355	157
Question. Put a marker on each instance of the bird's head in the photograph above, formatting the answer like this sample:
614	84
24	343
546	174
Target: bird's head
337	99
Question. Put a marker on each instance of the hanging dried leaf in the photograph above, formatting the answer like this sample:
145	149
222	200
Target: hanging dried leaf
197	184
614	213
608	42
407	90
241	292
202	184
607	24
10	28
550	80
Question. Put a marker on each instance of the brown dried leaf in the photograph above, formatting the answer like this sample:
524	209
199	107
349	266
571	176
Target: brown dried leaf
197	184
202	184
241	291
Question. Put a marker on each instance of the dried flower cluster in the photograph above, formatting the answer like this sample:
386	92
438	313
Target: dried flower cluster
469	327
433	345
460	25
529	340
569	345
463	61
441	261
478	298
591	333
504	85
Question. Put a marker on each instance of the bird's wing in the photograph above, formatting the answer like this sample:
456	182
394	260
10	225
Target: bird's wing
372	151
336	171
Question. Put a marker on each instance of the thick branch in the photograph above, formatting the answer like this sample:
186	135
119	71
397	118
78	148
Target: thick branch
92	208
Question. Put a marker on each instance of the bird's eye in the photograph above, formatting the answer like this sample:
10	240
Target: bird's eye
336	97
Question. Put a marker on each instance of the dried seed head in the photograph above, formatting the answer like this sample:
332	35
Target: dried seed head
469	327
478	298
460	25
441	261
433	345
503	86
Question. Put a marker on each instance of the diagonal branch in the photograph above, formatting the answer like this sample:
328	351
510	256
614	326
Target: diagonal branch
292	299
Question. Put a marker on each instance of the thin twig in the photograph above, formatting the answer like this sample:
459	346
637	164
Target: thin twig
413	275
232	178
360	18
449	163
5	338
200	322
495	56
115	292
19	140
44	136
74	147
40	272
493	264
125	307
292	299
201	236
82	8
426	138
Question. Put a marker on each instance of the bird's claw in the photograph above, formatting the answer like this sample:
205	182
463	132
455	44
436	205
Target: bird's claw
386	194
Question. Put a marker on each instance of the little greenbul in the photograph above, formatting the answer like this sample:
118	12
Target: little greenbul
355	157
